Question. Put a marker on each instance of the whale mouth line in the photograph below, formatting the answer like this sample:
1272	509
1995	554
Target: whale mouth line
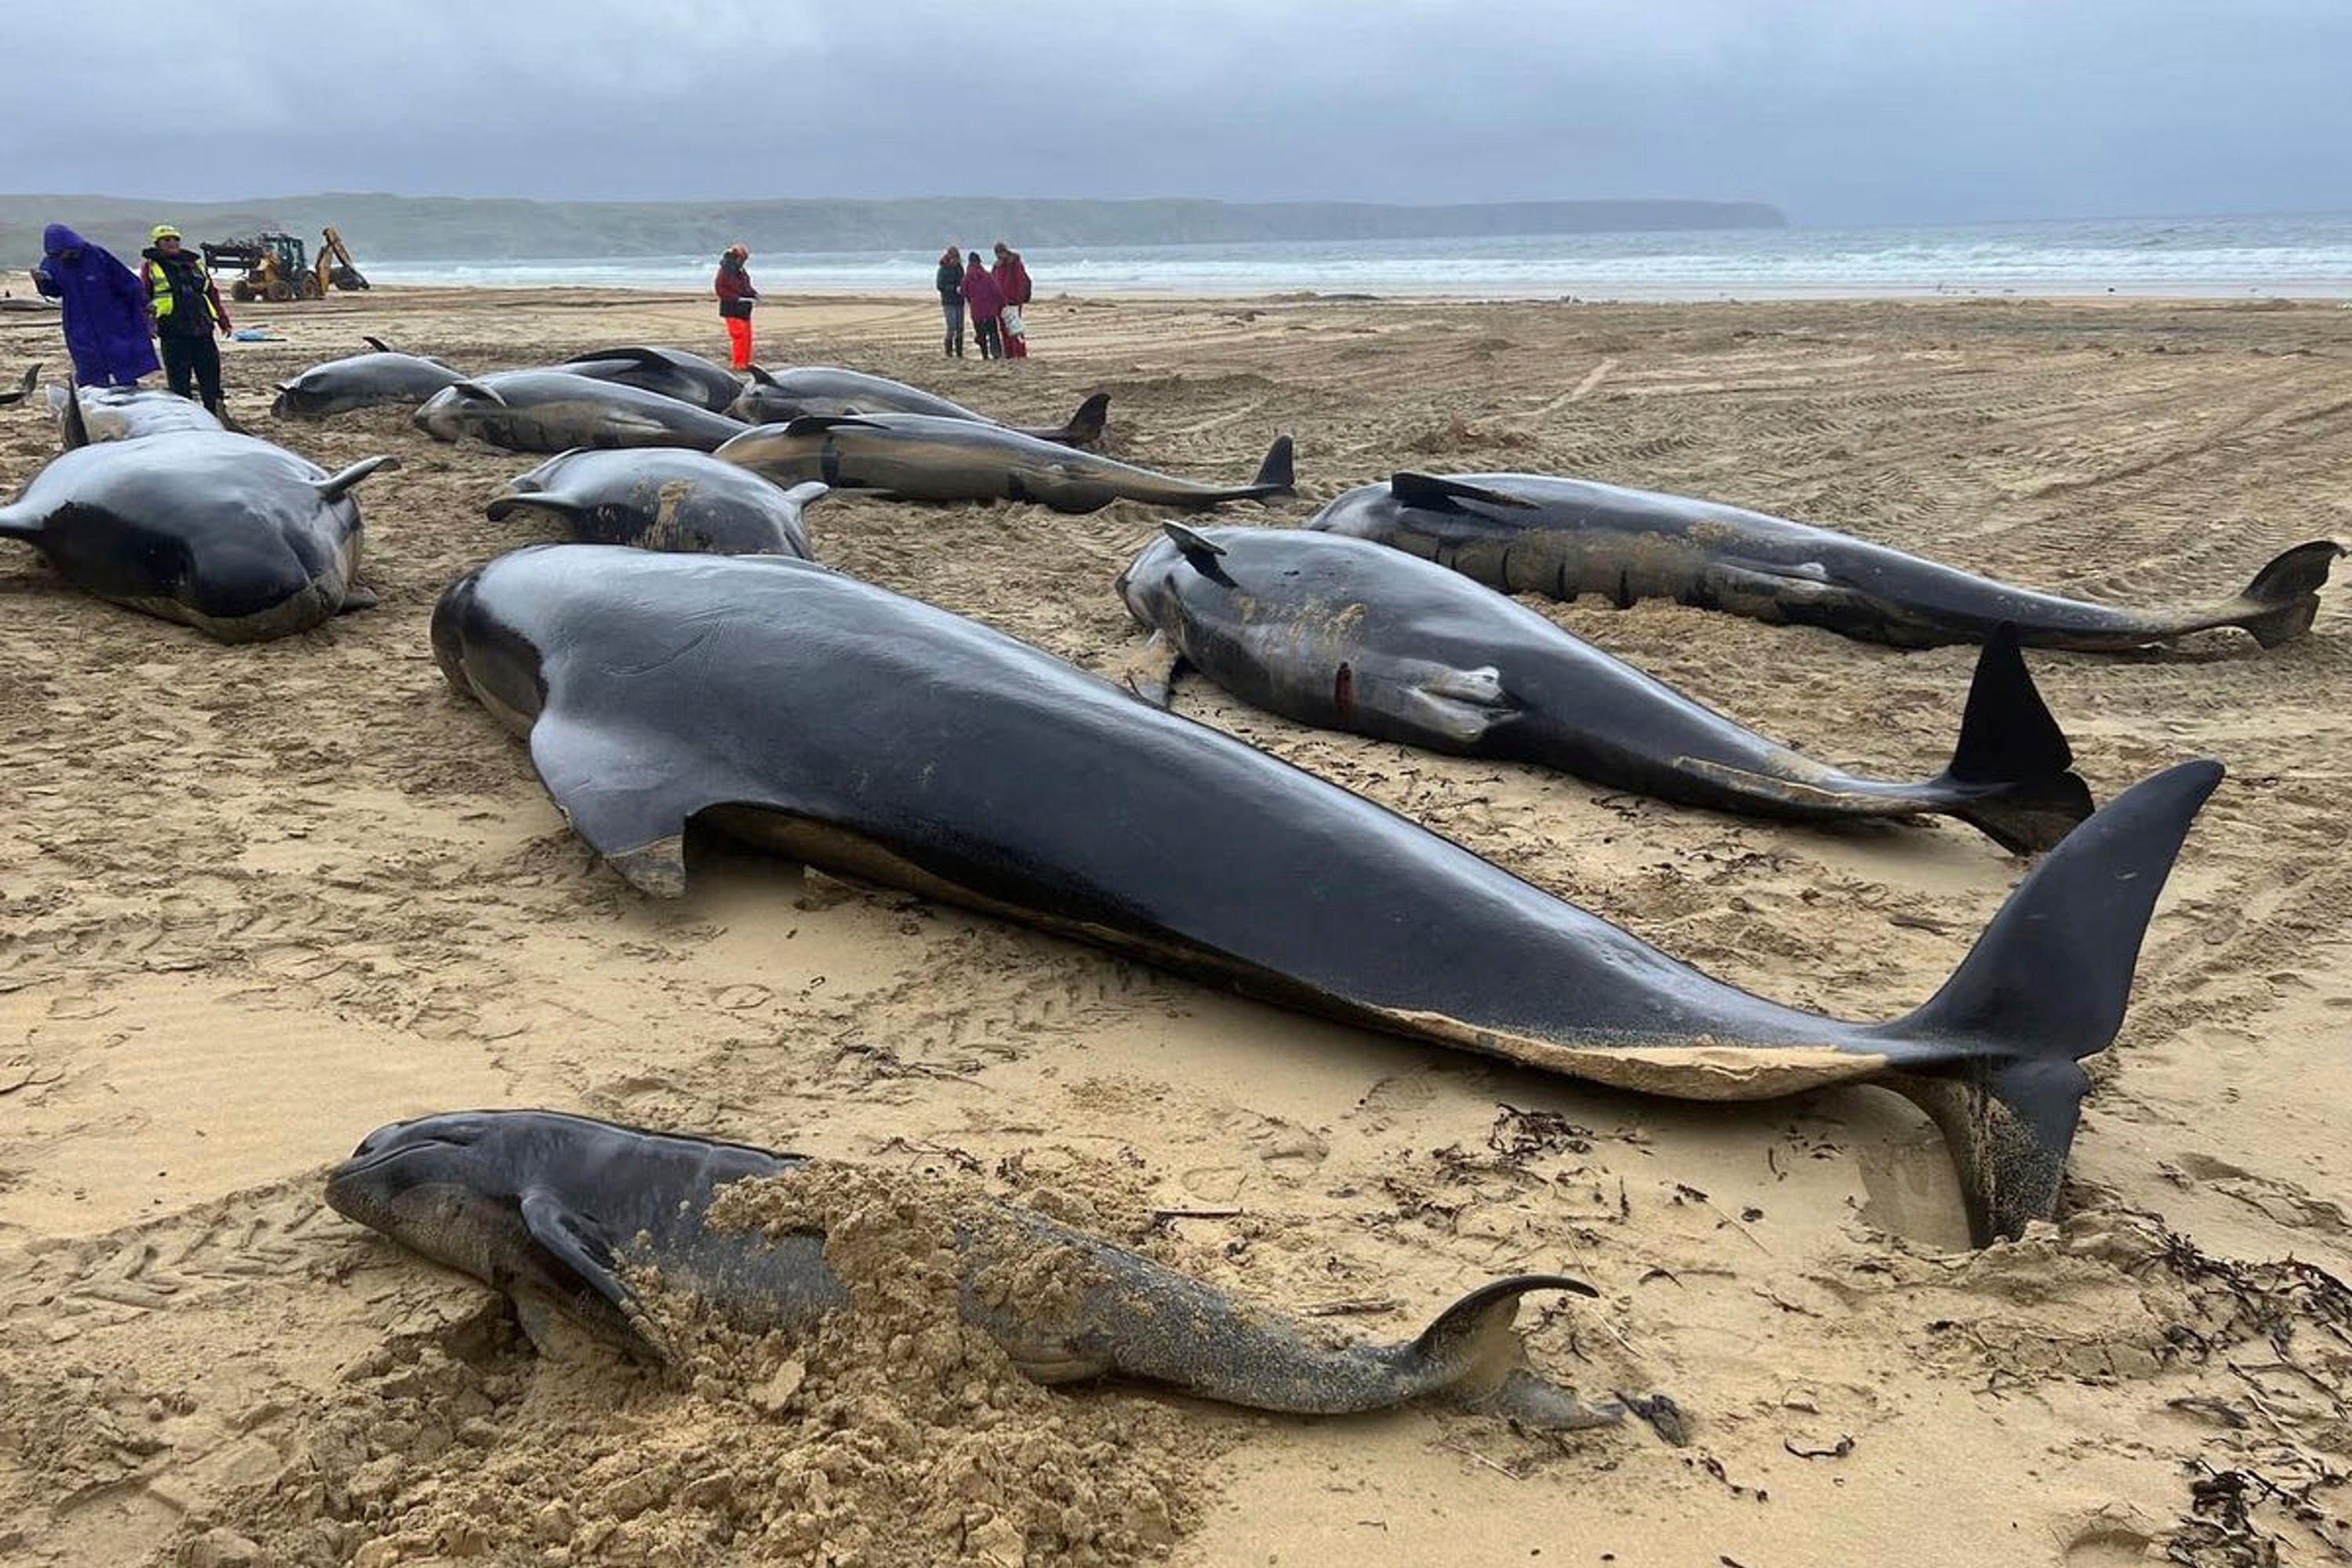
359	1165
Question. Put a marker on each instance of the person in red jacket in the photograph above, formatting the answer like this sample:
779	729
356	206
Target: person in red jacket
736	295
987	302
1013	282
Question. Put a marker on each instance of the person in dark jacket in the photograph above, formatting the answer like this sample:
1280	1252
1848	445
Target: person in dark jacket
950	286
1013	282
736	296
188	310
987	304
104	306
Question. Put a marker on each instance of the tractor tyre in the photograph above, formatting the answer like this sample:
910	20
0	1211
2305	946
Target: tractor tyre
241	292
310	290
279	292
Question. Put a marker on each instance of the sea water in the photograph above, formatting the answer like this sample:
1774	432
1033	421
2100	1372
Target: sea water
2213	258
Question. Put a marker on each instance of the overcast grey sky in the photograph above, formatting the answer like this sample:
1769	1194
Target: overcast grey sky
1838	110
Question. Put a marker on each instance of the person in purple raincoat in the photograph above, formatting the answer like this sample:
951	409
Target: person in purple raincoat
105	308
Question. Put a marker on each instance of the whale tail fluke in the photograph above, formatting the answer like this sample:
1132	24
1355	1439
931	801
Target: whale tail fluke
32	379
2012	775
1471	1356
2279	604
1992	1055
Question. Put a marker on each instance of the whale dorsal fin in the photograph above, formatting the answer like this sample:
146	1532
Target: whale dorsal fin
376	344
760	374
1438	494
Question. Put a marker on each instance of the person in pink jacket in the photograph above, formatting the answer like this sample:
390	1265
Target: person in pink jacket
987	302
1013	282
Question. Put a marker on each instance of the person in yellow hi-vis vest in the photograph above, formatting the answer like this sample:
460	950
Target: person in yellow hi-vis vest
186	307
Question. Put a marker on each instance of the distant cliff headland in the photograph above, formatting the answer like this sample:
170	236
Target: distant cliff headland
389	228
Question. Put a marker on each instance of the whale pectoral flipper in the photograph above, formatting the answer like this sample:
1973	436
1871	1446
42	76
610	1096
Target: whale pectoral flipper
1432	492
505	506
337	485
581	1255
628	796
1459	705
1152	670
1198	547
77	429
818	423
1789	585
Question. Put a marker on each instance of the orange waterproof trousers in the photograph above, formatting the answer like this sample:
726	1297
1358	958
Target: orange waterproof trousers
739	333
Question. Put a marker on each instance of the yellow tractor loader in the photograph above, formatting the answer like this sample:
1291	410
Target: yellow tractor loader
277	267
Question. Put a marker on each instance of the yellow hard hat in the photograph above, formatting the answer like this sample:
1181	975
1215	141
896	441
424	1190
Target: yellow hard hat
162	232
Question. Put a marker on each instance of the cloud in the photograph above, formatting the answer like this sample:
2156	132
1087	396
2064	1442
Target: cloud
1837	110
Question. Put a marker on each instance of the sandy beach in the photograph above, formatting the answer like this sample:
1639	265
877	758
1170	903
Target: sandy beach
257	900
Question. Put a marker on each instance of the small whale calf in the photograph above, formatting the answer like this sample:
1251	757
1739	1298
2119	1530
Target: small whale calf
554	411
560	1212
779	397
663	499
380	379
921	457
1532	533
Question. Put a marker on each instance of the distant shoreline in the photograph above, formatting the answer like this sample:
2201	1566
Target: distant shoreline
384	228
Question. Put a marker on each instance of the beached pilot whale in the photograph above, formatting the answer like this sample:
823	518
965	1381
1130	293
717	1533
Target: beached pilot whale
231	535
554	411
381	378
778	397
1531	533
554	1210
673	373
663	499
125	413
868	734
1343	634
919	457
